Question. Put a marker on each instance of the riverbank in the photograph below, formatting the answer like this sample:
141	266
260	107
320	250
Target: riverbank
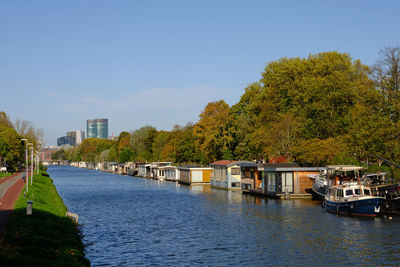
45	238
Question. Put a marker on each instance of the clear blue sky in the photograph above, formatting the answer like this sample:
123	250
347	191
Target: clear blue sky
160	62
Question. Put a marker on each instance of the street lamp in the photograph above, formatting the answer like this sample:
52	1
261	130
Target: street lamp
37	162
26	165
29	144
37	157
31	164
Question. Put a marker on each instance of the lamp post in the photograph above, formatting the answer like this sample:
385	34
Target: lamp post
26	165
31	164
29	144
37	157
37	162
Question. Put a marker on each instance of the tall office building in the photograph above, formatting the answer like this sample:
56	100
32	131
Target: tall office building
78	136
97	128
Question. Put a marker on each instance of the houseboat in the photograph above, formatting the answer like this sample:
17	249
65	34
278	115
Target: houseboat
225	174
194	175
287	180
171	173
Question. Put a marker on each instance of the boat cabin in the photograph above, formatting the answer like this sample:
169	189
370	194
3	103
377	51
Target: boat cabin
340	174
376	178
348	192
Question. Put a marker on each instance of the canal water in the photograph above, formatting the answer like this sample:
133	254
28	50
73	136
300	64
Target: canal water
129	221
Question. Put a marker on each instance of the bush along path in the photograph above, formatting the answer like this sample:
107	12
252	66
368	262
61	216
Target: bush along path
45	238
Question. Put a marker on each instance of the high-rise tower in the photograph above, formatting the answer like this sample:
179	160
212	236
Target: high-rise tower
97	128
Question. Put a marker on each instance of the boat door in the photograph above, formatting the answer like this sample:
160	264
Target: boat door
339	194
271	182
197	176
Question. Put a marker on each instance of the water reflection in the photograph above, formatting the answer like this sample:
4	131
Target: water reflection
134	221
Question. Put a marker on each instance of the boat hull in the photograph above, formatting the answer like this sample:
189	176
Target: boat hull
363	207
391	197
318	192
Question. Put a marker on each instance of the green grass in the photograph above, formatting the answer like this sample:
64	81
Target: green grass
4	174
45	238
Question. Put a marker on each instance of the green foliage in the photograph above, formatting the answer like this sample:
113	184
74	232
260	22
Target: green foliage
59	155
142	142
11	148
91	148
322	152
315	101
183	144
5	120
126	155
386	75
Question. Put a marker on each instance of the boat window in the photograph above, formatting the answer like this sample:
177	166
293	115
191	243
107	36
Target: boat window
357	191
349	192
339	193
367	192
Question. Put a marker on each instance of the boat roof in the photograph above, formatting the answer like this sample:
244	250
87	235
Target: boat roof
344	167
376	173
291	169
349	186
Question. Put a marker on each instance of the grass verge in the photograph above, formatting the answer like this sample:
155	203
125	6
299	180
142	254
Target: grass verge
4	174
45	238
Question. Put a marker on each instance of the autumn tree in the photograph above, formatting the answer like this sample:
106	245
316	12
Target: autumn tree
183	142
214	131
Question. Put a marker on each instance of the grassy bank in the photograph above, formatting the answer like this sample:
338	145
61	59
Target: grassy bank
4	174
47	237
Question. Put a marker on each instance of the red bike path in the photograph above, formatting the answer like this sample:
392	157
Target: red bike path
11	186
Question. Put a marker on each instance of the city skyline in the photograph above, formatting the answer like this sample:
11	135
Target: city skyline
159	64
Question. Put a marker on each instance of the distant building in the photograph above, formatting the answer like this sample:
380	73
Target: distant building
45	153
65	140
97	128
78	136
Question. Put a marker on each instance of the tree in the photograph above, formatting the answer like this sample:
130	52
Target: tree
28	131
160	141
91	148
142	142
12	148
300	99
5	120
126	155
214	132
386	74
59	155
123	141
322	152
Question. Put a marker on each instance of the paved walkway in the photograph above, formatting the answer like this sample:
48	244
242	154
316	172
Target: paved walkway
10	188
